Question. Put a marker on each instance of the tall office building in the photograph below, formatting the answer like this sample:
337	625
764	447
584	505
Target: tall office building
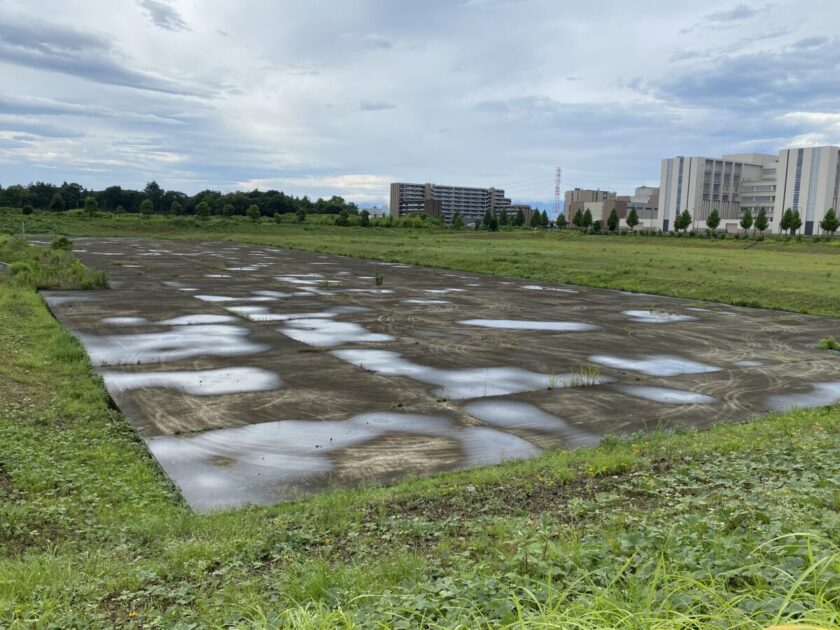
444	201
806	179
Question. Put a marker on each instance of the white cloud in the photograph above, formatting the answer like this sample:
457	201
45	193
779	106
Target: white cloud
340	99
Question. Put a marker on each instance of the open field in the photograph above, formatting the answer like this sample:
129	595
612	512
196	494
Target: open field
736	526
773	273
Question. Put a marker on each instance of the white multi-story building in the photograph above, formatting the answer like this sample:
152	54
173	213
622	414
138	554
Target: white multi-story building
808	180
804	179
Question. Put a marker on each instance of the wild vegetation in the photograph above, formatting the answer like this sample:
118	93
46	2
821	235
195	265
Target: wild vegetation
737	526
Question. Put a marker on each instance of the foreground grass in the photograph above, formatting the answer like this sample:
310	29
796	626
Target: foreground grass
773	273
735	527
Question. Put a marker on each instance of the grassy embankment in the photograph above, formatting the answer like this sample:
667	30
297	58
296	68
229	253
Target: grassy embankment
738	526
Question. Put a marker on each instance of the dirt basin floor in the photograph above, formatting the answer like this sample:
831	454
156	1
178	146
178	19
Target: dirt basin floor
257	375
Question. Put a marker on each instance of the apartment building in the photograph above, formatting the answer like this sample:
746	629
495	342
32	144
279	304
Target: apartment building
805	179
445	201
601	203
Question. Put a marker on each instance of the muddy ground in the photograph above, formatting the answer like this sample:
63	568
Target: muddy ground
257	375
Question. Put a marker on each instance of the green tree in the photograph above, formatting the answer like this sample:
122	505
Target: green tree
795	222
536	219
713	221
485	222
586	221
493	226
830	222
147	207
683	221
176	208
746	220
560	221
253	212
364	218
119	209
27	210
457	221
301	214
203	210
278	218
57	203
544	219
761	221
343	218
577	220
228	210
632	219
503	218
784	223
90	206
612	221
154	192
519	221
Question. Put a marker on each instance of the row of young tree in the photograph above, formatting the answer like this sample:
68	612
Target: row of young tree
492	221
154	199
790	222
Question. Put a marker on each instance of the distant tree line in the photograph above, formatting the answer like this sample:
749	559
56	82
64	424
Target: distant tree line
154	199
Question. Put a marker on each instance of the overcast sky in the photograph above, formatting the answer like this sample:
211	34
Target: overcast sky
343	96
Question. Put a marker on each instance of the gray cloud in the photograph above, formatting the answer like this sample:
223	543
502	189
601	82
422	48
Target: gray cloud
797	75
729	18
163	16
43	46
375	106
374	40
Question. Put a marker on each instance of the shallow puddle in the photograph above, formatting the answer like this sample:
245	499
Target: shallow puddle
124	321
821	394
657	317
507	414
198	318
457	384
181	342
654	364
323	332
235	380
666	395
524	324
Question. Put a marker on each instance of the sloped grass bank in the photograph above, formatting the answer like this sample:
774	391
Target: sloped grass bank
734	527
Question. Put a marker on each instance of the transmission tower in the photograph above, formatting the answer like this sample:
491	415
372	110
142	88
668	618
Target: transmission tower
557	178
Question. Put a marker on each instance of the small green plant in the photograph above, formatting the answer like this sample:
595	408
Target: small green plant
62	243
829	343
586	375
379	279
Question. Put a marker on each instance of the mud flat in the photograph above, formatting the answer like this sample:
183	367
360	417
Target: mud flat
257	375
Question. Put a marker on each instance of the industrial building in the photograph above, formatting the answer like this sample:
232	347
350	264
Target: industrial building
601	203
445	201
805	179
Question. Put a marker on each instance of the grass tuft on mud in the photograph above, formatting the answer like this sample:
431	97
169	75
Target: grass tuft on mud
737	526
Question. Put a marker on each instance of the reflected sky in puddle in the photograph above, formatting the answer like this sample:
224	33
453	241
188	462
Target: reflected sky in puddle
323	332
457	384
124	321
666	395
181	342
198	318
233	467
821	394
420	301
654	364
233	380
524	324
506	414
657	317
